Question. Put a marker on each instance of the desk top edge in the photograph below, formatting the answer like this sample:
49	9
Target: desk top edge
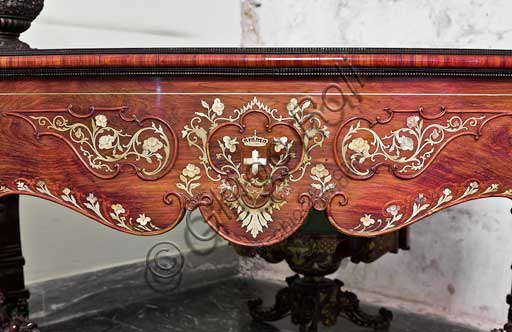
260	50
257	61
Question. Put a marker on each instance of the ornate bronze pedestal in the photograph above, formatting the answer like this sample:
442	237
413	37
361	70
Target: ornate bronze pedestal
315	251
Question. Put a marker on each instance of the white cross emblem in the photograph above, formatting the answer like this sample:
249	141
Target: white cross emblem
255	161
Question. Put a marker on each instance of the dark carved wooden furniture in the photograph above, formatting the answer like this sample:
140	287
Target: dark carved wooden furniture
369	140
16	17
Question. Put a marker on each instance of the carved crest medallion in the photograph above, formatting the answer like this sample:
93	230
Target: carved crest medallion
253	173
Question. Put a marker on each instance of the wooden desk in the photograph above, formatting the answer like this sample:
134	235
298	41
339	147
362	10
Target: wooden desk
255	138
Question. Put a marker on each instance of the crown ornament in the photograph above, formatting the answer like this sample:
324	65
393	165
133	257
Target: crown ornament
255	140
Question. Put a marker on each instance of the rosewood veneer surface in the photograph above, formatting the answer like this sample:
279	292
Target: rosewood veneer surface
255	138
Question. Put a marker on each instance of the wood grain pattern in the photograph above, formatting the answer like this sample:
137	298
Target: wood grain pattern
255	154
235	60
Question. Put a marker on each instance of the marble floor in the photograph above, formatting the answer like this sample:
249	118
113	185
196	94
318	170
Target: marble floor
220	307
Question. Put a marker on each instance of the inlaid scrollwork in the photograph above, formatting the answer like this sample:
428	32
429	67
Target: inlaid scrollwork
104	144
406	150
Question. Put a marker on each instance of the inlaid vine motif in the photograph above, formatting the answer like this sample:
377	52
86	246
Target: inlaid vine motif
110	214
408	148
254	174
321	186
402	215
104	145
362	144
188	177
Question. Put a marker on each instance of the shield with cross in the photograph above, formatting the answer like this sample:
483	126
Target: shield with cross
254	154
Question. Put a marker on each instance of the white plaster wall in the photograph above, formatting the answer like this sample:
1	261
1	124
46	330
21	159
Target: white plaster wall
56	241
458	266
128	23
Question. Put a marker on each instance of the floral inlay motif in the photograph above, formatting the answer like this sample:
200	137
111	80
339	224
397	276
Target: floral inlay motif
367	220
321	185
103	147
240	191
115	214
230	143
422	207
408	149
188	176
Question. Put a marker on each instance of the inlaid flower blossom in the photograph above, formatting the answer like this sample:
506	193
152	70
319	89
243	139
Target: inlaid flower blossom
189	174
406	143
474	185
447	192
21	186
143	220
230	143
359	145
118	209
292	106
151	145
421	199
106	142
218	106
413	121
66	191
280	144
321	186
92	199
101	120
191	171
393	209
319	171
367	220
